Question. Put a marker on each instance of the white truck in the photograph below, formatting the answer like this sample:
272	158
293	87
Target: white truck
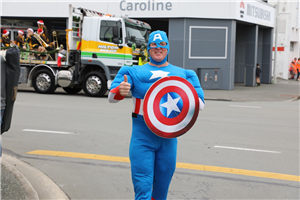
97	46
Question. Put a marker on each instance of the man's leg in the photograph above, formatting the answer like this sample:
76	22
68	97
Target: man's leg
142	155
142	171
165	164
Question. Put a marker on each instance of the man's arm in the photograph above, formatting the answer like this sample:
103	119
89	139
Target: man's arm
194	80
120	86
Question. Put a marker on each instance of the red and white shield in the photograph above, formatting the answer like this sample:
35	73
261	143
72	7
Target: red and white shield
171	107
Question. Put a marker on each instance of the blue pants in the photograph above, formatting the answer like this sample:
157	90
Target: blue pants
153	161
1	116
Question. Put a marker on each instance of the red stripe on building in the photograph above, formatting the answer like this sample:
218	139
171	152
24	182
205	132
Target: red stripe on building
279	48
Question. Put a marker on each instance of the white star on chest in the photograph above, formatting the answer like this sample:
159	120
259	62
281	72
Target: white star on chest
159	74
171	105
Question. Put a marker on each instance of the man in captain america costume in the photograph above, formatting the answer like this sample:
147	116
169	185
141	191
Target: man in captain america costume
152	158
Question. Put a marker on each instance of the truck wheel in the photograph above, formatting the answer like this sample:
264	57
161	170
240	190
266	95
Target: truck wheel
94	84
72	90
44	82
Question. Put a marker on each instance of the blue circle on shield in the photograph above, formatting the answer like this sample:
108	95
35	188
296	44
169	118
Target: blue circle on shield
171	105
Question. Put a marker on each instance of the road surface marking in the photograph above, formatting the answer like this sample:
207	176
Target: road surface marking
246	149
178	165
44	131
245	106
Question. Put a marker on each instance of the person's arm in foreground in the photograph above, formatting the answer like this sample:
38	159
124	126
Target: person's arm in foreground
120	87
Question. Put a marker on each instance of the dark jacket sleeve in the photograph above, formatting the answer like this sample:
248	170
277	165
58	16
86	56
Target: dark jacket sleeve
3	83
35	42
45	39
258	71
5	41
20	42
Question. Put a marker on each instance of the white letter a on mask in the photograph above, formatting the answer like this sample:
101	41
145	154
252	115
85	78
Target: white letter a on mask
157	36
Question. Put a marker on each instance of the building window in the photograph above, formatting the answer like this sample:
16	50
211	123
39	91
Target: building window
208	42
292	47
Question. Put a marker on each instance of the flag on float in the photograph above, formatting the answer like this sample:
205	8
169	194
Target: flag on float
78	45
59	59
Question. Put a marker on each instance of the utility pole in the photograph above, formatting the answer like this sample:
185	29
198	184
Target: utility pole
276	36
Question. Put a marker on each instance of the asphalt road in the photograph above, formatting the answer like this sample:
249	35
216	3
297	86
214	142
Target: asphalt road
228	137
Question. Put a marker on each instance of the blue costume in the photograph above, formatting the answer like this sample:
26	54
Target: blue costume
153	159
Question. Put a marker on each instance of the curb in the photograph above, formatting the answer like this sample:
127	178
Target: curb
216	99
35	183
294	99
28	189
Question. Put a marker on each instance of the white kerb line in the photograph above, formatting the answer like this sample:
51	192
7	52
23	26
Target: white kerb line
245	106
246	149
45	131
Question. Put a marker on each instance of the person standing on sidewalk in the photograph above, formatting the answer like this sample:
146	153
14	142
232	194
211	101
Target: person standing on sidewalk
298	69
2	93
258	72
292	70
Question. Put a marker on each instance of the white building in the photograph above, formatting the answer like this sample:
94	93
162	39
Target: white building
288	35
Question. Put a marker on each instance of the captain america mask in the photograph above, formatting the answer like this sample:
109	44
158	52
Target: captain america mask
158	39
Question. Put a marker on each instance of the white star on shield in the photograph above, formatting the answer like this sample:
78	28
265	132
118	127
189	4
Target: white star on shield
159	74
171	105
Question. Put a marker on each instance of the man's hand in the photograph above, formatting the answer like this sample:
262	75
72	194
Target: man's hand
124	87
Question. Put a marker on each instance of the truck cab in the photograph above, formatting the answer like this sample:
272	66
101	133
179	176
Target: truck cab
103	44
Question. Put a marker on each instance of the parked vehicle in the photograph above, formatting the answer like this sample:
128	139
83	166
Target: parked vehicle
98	44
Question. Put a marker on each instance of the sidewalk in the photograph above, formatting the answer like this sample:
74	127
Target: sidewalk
283	90
20	180
13	184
